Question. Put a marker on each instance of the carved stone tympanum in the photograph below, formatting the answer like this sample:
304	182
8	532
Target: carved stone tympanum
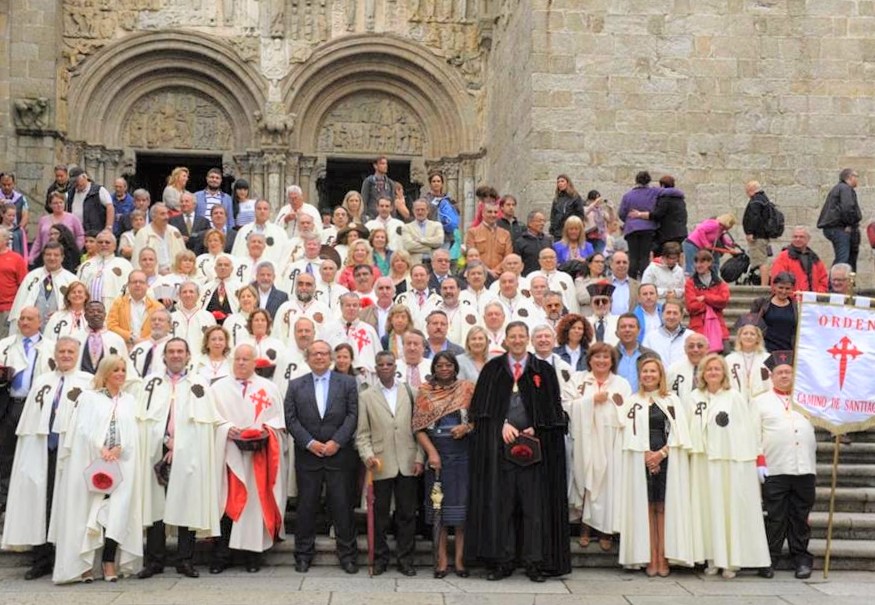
177	119
371	122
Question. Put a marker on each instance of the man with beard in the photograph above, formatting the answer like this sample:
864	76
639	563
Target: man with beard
269	296
304	304
178	427
105	274
275	237
40	432
147	357
518	504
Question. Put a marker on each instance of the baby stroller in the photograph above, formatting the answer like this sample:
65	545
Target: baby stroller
737	269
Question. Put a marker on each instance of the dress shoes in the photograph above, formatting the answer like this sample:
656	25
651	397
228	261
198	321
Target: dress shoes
150	570
440	574
302	565
535	575
407	569
380	569
803	572
462	573
187	570
253	567
217	568
497	573
349	567
37	571
766	572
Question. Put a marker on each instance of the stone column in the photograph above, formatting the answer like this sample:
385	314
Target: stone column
469	203
93	157
275	170
451	182
306	182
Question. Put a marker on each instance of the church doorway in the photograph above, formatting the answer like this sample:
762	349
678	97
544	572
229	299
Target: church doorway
154	168
343	175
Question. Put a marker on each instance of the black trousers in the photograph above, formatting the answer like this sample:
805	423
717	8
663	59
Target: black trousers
788	499
406	504
156	545
339	492
222	552
10	413
44	554
520	514
640	243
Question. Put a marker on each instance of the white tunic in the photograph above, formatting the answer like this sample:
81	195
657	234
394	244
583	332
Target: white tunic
596	446
112	271
634	518
726	496
192	497
260	407
191	327
786	437
87	518
748	374
30	288
25	522
66	323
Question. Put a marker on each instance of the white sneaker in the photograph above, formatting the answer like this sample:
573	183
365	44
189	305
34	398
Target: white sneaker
728	574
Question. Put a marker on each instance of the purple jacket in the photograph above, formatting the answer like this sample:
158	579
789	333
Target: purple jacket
638	198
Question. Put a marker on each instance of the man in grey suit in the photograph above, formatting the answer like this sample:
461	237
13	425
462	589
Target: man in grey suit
437	325
388	448
269	297
321	415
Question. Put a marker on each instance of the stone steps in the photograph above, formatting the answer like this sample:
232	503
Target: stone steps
849	475
848	499
845	525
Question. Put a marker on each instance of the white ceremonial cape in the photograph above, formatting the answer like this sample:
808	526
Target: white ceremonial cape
681	377
750	378
275	239
192	498
559	281
114	272
596	447
66	323
191	327
289	312
80	524
634	519
231	288
261	407
724	440
205	265
25	522
29	289
139	355
364	341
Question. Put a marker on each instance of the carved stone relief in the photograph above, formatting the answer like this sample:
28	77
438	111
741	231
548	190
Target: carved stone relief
31	116
177	119
371	122
274	123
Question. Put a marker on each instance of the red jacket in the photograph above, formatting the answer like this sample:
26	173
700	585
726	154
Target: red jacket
716	296
819	274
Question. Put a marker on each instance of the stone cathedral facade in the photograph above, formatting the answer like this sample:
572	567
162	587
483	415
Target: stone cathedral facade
505	92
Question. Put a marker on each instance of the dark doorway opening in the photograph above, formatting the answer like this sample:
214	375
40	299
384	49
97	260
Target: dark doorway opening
343	175
153	170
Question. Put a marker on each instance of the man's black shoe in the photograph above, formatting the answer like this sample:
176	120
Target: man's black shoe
535	575
253	567
407	569
150	570
498	573
803	572
187	570
217	568
37	571
380	568
349	567
302	566
766	572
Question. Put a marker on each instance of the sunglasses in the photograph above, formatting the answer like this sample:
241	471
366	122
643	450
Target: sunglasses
601	301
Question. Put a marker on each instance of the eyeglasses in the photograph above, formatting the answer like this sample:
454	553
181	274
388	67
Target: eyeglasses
601	301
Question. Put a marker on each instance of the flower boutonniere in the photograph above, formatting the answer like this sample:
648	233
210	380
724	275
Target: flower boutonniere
537	380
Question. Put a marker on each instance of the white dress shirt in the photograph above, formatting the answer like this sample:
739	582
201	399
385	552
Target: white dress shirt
391	395
320	383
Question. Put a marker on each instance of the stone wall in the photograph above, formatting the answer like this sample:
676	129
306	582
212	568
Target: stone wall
714	92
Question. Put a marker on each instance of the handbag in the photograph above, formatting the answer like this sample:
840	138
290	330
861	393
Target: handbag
713	330
103	476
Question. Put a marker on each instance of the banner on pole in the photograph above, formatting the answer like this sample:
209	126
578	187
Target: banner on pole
834	382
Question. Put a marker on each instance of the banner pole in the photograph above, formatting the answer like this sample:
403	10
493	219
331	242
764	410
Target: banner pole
832	504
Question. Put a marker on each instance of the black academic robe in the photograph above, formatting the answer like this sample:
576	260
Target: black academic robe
539	389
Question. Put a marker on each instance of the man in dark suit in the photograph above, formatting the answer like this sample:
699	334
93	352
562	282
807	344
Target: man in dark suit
220	223
189	223
440	270
269	298
321	415
142	201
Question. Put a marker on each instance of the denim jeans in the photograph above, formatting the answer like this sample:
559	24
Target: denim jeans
845	245
690	250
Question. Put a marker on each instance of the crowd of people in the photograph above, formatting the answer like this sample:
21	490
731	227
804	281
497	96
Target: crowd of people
202	361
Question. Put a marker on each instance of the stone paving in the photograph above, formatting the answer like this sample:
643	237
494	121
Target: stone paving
330	586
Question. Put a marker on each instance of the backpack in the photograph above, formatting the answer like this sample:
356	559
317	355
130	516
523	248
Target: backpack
447	215
773	221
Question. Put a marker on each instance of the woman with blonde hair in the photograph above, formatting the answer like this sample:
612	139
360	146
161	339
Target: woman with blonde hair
176	183
382	255
359	253
70	321
237	324
398	322
727	520
400	270
655	497
712	234
573	245
214	363
103	426
476	354
747	370
214	242
352	203
184	269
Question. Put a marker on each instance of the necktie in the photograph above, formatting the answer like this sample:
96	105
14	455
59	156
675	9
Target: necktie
600	331
517	371
420	297
48	286
53	436
18	379
245	385
95	347
27	345
309	268
221	293
188	223
415	378
97	284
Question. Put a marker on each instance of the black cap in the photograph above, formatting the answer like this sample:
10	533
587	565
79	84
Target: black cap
601	288
76	172
750	319
779	358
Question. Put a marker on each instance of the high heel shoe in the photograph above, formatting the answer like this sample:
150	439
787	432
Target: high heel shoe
650	570
440	574
462	572
109	577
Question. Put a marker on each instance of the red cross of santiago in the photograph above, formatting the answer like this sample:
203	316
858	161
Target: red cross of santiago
261	401
847	349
